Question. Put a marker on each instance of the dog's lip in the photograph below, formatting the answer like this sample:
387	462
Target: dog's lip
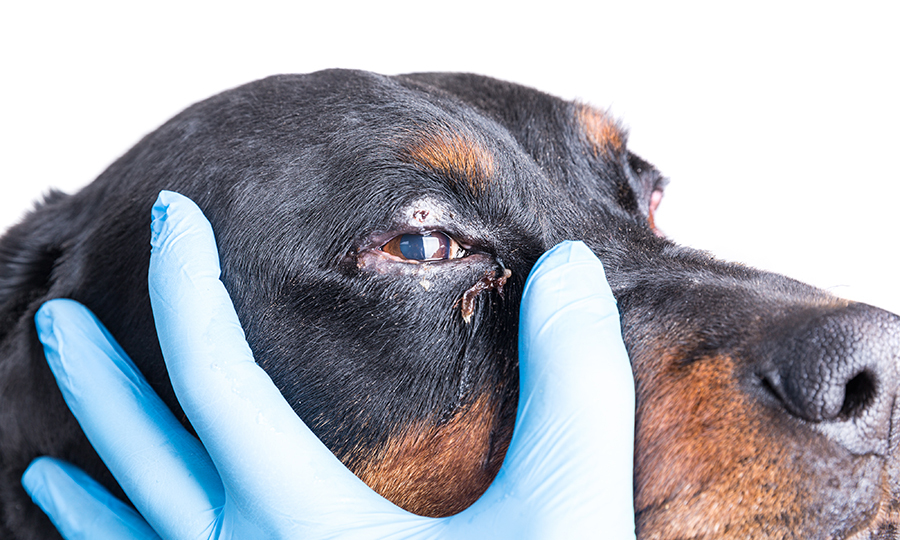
884	520
870	528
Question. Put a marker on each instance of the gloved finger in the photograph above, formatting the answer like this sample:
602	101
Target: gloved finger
270	461
164	470
572	448
78	506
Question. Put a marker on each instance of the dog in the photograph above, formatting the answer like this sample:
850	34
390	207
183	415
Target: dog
375	234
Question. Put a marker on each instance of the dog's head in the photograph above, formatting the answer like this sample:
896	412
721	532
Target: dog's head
375	234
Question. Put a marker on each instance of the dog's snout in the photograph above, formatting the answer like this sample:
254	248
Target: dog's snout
838	371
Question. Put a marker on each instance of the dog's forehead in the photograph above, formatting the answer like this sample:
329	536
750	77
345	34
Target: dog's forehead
483	139
352	150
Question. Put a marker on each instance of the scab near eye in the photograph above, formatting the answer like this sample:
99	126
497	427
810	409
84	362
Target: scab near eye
433	246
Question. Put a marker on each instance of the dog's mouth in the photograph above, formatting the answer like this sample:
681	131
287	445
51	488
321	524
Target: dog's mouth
885	521
882	521
885	528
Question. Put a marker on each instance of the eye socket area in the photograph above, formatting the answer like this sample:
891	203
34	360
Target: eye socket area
424	247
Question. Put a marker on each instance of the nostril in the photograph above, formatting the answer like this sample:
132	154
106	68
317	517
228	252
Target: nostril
837	371
771	385
859	393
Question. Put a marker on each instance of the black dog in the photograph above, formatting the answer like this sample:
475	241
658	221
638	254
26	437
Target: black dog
375	234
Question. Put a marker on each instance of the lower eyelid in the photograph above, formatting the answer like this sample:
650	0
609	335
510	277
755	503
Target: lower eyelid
381	262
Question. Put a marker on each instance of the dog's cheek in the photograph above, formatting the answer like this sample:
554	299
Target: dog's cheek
690	433
361	355
438	468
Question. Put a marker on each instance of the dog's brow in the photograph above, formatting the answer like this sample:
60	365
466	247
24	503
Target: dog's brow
452	153
601	130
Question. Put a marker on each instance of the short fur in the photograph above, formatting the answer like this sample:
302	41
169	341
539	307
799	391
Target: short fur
765	406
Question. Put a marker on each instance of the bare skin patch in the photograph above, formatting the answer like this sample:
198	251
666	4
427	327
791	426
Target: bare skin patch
454	154
603	133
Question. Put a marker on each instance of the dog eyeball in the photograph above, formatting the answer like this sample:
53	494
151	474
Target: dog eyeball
433	246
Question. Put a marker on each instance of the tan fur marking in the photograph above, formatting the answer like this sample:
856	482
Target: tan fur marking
438	469
454	154
602	131
712	463
709	461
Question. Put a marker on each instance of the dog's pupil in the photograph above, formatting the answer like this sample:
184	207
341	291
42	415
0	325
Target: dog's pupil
422	247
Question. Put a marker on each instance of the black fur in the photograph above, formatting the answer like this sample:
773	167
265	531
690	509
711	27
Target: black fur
297	174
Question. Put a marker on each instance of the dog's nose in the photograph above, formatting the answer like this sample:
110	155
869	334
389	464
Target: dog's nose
838	370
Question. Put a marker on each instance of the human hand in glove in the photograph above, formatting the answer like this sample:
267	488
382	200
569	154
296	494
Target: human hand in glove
257	471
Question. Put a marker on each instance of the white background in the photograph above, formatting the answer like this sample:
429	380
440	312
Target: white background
777	122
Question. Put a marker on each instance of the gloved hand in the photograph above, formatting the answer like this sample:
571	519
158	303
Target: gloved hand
261	473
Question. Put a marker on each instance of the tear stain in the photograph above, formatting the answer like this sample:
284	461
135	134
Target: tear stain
488	282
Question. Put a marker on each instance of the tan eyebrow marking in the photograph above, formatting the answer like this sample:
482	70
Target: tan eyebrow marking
602	131
455	154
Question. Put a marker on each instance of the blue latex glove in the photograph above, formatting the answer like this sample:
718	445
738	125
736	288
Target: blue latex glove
261	473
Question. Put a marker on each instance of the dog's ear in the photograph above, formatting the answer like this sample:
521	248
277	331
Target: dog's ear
648	186
27	258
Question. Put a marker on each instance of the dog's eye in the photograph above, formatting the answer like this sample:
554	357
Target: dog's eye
433	246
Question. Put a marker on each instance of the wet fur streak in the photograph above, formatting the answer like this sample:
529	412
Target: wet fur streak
488	282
